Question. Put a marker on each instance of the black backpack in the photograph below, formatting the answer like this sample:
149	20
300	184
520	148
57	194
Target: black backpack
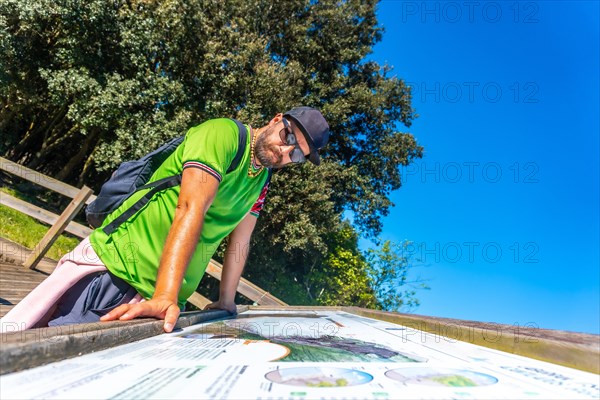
132	176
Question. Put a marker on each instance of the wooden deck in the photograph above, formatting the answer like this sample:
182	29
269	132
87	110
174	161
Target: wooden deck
17	281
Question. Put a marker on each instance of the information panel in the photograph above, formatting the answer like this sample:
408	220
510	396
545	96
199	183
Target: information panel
300	355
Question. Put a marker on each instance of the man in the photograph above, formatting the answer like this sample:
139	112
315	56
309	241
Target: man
154	261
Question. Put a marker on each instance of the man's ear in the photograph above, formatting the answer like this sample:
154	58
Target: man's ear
276	119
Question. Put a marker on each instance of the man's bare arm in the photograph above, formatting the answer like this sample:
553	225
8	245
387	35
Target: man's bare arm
233	264
198	190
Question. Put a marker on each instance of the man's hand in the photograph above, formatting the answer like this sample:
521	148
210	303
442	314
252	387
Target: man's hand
157	308
221	305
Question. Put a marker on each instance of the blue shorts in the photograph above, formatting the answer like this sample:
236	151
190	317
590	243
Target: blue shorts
90	298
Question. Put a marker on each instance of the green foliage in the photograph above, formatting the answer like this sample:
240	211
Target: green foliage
377	278
388	270
88	84
344	280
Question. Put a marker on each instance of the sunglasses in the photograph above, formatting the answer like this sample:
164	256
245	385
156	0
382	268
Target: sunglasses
288	137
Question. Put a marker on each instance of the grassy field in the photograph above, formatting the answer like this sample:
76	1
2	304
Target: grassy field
27	231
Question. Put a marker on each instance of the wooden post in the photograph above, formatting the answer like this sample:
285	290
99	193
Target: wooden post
50	237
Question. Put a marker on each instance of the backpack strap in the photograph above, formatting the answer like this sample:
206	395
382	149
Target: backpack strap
242	137
174	180
156	186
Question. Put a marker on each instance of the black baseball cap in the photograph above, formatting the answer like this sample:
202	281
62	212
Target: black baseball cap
314	128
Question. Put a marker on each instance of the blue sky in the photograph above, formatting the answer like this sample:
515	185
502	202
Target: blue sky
503	209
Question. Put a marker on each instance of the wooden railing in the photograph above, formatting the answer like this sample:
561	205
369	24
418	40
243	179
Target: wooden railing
64	222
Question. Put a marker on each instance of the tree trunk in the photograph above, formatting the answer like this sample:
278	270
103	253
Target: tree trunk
18	151
47	151
77	159
27	145
6	115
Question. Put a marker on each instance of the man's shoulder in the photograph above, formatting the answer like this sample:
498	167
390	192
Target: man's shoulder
217	125
218	133
214	143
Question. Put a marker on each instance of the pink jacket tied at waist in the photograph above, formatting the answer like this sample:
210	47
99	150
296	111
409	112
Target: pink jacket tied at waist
72	267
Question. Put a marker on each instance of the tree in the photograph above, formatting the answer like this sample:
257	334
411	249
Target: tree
379	277
388	268
344	279
88	84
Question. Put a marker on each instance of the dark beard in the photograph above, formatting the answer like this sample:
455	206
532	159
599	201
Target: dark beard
264	152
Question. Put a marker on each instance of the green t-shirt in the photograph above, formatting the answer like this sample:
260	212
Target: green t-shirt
133	251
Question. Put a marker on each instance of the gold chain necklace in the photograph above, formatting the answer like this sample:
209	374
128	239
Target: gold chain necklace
251	171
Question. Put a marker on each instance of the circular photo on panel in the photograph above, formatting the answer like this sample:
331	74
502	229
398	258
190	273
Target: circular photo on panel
441	377
319	377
